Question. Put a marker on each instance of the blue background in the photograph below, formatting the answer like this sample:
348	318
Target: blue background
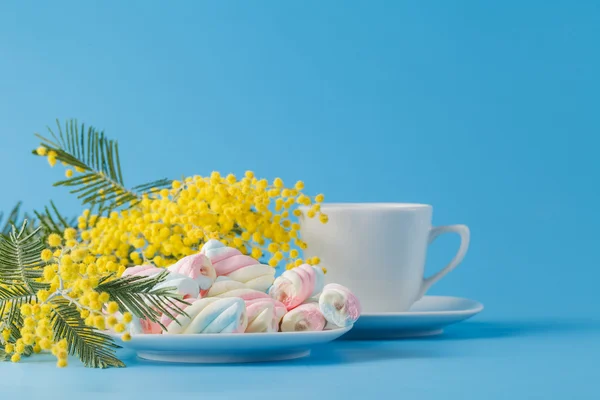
486	110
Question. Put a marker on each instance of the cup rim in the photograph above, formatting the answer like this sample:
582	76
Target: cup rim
372	206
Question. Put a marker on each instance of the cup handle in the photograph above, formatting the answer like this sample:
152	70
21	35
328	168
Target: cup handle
464	233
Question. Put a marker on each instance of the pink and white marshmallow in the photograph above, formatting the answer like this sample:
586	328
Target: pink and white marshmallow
225	287
184	285
211	315
141	325
230	262
297	285
339	305
165	319
197	267
305	317
142	270
264	313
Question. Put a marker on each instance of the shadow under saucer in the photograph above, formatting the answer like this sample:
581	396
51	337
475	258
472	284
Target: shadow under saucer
516	328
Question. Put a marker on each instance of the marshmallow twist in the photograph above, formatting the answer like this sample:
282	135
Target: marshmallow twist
305	317
225	287
197	267
339	305
142	270
264	313
230	262
184	285
297	285
143	326
211	315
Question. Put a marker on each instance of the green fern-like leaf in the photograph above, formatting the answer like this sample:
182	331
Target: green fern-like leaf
11	299
139	296
95	349
98	157
53	221
15	326
20	258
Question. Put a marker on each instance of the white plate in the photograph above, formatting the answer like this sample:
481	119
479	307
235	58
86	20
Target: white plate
228	347
426	317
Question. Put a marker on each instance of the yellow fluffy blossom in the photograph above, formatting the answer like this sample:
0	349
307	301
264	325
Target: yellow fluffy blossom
70	233
99	322
20	346
43	295
52	158
103	297
46	255
26	309
127	317
249	214
45	344
54	240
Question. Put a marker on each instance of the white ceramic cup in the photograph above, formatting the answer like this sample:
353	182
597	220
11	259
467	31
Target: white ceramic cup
378	250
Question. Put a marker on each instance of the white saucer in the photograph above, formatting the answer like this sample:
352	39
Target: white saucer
426	317
228	347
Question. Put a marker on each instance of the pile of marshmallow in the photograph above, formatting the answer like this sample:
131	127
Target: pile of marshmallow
229	292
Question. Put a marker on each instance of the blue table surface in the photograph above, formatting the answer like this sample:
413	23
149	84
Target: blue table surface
477	359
